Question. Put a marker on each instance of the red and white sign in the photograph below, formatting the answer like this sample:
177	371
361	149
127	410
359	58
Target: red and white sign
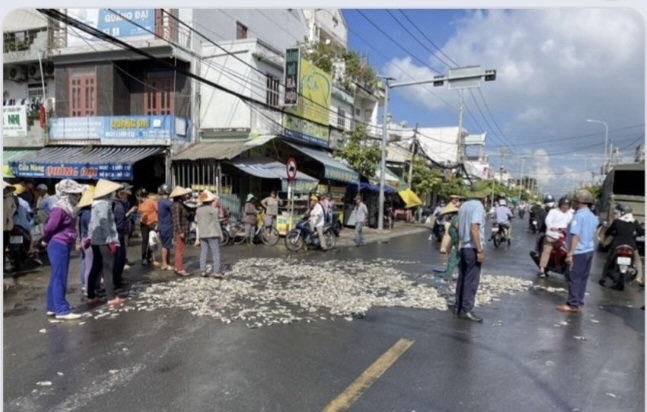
291	168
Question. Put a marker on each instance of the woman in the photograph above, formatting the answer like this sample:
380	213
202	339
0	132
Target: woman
624	230
85	212
148	223
105	242
210	232
250	218
59	235
180	227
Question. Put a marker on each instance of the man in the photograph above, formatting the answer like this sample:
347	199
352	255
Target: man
502	215
580	244
556	223
9	209
165	225
122	212
361	217
27	192
317	220
271	205
471	231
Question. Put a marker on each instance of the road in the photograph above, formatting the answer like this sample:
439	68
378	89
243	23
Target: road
360	329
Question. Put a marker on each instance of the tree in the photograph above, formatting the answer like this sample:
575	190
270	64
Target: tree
362	157
423	179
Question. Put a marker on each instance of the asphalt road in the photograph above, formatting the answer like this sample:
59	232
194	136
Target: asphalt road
525	356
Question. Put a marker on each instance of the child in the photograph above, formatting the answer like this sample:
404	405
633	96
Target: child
153	246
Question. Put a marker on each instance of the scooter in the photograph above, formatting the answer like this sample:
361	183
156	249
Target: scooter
18	248
619	268
302	237
557	261
499	234
439	229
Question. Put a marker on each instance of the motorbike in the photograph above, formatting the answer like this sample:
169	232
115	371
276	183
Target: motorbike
557	260
302	237
438	231
619	268
499	234
18	248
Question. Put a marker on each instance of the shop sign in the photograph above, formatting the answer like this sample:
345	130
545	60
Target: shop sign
14	121
292	58
112	128
114	171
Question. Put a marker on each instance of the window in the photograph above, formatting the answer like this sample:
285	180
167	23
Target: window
83	95
341	118
241	30
160	95
272	91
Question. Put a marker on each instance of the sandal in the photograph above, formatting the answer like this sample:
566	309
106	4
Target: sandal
182	273
116	303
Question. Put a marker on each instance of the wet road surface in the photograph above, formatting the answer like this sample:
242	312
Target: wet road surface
525	356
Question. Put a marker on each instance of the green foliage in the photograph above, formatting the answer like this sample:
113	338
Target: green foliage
424	180
362	157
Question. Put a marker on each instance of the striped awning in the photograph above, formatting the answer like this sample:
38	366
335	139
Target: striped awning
80	162
220	150
334	169
271	169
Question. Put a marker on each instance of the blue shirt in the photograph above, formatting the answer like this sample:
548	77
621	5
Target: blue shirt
584	225
47	203
84	221
24	216
503	214
471	212
164	216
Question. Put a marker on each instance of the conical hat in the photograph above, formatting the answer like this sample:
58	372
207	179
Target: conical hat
105	187
450	208
86	198
179	191
6	185
206	197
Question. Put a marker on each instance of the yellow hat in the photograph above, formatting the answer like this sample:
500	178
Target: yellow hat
86	197
104	188
19	188
314	197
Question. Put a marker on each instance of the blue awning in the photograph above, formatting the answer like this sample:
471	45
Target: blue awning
371	188
271	169
334	169
79	162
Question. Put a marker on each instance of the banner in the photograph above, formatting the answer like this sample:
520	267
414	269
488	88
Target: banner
292	58
14	121
134	23
109	129
112	171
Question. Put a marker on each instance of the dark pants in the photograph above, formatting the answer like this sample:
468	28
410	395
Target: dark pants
102	264
146	253
469	276
578	277
119	262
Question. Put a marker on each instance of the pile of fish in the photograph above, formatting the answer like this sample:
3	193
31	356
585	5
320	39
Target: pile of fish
267	291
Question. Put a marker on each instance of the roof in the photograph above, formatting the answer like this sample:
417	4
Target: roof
219	150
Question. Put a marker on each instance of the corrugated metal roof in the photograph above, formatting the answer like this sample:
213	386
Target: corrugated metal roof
16	154
23	19
268	169
95	155
220	150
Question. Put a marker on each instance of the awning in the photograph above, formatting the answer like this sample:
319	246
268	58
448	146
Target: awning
410	198
79	162
219	150
389	177
369	187
271	169
334	169
13	155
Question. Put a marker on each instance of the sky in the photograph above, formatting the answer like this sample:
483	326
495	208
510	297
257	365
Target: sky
556	68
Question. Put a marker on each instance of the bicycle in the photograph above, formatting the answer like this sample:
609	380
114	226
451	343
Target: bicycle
267	234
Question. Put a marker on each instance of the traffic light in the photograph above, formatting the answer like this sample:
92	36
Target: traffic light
439	80
490	75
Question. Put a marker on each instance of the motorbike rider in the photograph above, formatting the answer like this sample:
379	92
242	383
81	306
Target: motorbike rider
502	215
316	219
624	230
556	223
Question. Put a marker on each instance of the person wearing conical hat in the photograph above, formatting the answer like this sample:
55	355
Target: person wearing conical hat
210	233
105	242
59	235
84	245
165	225
450	241
180	227
249	219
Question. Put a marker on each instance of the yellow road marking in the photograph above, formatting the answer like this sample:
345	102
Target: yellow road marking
345	399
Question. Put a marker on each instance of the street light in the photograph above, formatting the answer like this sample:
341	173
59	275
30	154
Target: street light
606	139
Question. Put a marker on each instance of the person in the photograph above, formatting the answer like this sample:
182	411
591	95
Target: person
84	243
26	192
556	223
105	242
271	205
148	222
165	225
471	233
180	227
456	200
624	230
580	245
59	236
24	218
438	208
316	220
207	218
9	209
361	217
328	207
249	219
41	199
122	212
450	215
503	214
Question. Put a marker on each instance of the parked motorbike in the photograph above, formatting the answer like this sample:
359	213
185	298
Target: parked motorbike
302	237
620	268
499	234
557	260
18	248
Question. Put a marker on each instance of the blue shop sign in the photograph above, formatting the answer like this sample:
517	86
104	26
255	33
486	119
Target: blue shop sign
111	128
77	171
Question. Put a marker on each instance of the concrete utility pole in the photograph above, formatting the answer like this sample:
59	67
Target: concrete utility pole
458	78
522	186
414	151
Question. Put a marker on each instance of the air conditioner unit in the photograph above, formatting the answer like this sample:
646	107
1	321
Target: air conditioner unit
34	71
18	73
48	68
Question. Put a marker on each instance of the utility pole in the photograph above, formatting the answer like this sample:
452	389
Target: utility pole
460	139
458	78
414	151
522	186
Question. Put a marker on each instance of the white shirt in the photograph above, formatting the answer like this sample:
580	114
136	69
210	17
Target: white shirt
316	216
557	219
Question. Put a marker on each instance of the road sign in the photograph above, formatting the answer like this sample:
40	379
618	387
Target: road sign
291	168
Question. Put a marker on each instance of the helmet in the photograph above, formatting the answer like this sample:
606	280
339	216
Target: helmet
563	201
142	192
623	210
549	199
583	196
502	202
163	189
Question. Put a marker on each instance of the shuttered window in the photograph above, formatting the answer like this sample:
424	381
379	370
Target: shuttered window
83	95
160	96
